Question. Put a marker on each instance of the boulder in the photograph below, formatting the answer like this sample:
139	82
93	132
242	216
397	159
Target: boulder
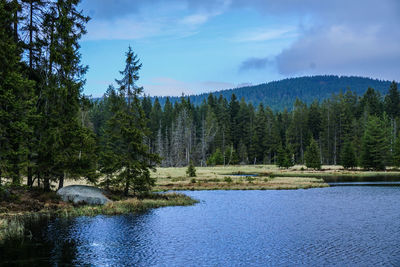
83	194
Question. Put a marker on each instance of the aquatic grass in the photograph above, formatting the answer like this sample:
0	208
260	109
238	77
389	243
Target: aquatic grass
12	226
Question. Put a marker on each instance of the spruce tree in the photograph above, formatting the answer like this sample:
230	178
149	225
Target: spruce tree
374	147
16	97
128	130
65	144
284	158
392	101
312	156
396	152
348	156
191	170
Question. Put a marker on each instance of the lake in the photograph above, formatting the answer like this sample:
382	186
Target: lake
335	226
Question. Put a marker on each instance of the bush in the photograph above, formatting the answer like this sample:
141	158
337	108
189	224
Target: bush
250	179
228	180
216	158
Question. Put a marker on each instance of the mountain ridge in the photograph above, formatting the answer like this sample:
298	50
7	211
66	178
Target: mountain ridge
281	94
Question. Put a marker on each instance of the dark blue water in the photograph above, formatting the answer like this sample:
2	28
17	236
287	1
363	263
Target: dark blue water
337	226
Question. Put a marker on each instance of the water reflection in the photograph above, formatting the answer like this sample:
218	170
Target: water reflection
345	226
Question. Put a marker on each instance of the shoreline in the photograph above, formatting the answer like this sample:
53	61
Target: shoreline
259	177
12	224
30	205
243	183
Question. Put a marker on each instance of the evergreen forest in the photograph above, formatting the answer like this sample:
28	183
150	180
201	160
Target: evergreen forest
345	129
50	131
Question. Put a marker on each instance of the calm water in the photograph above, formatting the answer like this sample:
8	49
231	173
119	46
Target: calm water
342	226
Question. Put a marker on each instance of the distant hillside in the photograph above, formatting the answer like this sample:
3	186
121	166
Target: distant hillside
282	94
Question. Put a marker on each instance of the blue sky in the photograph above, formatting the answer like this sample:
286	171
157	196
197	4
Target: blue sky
189	46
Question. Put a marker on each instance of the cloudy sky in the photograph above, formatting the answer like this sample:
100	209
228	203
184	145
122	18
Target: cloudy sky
195	46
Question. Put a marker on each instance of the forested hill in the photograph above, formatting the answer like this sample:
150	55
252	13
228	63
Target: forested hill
279	95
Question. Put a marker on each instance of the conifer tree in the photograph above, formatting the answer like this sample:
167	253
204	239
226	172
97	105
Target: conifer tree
65	144
374	145
16	97
128	130
312	155
392	101
191	170
284	158
348	156
396	152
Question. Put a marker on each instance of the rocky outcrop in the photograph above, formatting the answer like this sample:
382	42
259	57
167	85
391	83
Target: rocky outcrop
83	194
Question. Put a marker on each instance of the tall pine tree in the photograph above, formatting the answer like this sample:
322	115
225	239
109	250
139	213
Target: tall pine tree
128	130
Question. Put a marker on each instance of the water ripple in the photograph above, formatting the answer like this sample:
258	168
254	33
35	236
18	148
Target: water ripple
337	226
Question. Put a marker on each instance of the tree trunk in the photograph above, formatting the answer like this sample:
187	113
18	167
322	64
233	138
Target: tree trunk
30	179
16	22
30	37
61	181
46	184
334	150
126	190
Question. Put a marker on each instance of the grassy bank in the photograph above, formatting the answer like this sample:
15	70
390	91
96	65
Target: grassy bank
130	205
266	177
24	207
227	178
248	183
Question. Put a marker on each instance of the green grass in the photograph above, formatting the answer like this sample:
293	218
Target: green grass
224	178
130	205
249	183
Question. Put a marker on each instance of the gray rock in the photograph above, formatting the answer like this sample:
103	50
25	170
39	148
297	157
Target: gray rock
83	194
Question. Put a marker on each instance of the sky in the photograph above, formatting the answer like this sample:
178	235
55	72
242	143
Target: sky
197	46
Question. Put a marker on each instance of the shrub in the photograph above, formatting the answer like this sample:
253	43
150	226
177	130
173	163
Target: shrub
216	158
250	179
228	180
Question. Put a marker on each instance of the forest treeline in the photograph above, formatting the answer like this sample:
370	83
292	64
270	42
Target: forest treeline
282	94
347	129
50	131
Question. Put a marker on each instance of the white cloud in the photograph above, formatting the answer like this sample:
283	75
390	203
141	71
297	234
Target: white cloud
194	20
257	35
164	86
